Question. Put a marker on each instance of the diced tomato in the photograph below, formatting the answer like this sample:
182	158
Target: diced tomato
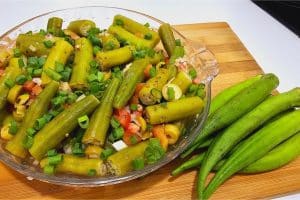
1	71
133	128
134	99
147	71
159	132
36	90
128	138
167	60
123	116
28	86
138	88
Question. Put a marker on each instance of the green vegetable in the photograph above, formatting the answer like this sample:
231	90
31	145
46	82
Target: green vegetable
49	169
54	26
38	107
238	105
106	153
174	110
32	45
177	53
138	164
133	76
244	126
182	80
121	162
83	121
114	57
55	131
255	147
99	123
191	163
167	38
81	27
54	160
154	151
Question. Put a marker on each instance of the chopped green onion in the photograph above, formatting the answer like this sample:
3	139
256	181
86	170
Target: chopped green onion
118	133
28	142
58	101
94	64
59	67
49	169
13	128
119	22
77	149
17	52
95	87
193	73
154	151
42	32
100	76
9	83
94	31
37	72
94	39
192	88
92	172
40	123
200	92
21	79
133	107
48	43
65	75
114	122
54	160
171	93
52	74
41	61
21	62
148	36
83	121
33	62
109	45
31	131
92	77
96	49
147	25
133	139
138	164
47	117
51	152
178	42
152	72
71	98
69	40
106	153
29	70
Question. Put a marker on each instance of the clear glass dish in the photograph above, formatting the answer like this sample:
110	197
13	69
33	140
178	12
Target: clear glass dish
197	55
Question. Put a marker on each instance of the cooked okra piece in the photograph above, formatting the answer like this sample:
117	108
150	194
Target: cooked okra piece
133	76
136	28
13	93
114	57
151	92
156	58
56	130
38	107
175	110
177	53
99	123
5	56
183	80
81	27
78	165
109	42
32	45
59	54
81	66
121	162
167	38
123	35
54	26
11	72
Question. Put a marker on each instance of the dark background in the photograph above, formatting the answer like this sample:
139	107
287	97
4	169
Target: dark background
286	12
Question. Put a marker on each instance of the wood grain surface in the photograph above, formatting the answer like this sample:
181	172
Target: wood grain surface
236	64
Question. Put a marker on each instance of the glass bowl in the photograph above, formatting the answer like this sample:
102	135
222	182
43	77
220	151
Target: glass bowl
197	55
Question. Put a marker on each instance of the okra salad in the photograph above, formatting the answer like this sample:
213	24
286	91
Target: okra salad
95	102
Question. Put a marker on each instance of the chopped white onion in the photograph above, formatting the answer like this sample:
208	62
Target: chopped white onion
119	145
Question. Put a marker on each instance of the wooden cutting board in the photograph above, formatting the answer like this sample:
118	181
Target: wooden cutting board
236	64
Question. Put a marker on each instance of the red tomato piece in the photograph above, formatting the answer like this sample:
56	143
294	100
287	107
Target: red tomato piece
28	86
123	116
36	90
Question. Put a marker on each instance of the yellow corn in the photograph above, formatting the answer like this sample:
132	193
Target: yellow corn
19	113
93	151
13	93
5	132
142	123
22	99
172	132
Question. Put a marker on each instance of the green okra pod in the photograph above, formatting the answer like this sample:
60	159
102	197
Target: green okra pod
109	59
254	148
99	123
177	53
195	161
245	126
56	130
175	110
11	72
167	38
133	76
38	107
183	80
59	54
81	27
81	66
32	45
238	105
121	162
109	42
54	26
78	165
